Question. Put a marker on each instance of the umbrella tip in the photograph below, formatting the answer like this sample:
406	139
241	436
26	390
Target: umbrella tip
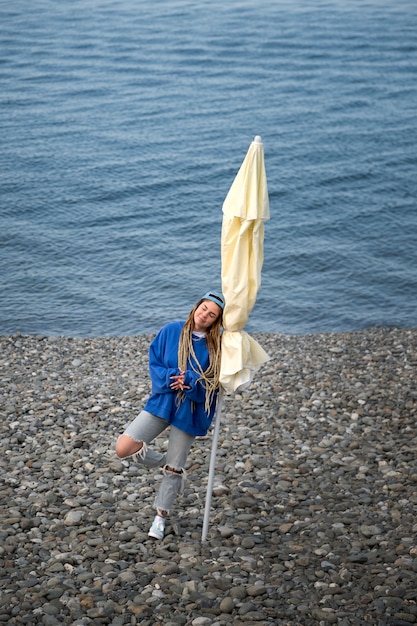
258	139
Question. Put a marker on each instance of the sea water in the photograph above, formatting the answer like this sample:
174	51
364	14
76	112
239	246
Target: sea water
124	123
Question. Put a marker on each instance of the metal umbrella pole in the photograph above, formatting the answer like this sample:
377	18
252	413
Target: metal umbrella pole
212	465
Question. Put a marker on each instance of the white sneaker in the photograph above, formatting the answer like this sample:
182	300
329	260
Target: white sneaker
158	527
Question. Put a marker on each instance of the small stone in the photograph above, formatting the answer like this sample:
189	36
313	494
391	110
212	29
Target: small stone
227	605
73	518
256	590
324	615
225	531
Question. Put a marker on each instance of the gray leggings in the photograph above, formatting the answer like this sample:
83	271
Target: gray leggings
145	427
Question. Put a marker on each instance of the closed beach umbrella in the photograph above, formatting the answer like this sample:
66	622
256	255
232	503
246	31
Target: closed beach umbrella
245	210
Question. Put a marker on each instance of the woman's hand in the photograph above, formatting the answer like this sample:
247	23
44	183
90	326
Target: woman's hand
178	382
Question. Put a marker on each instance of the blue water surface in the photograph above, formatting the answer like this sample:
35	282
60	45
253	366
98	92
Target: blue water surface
124	123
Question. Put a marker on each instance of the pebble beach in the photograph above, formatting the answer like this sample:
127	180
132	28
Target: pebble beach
314	510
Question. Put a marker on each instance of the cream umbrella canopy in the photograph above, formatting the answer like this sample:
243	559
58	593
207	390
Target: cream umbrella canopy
245	210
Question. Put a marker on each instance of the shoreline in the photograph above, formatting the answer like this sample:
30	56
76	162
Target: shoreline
314	509
383	327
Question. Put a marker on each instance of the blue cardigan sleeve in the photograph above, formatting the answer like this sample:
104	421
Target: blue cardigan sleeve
197	392
163	361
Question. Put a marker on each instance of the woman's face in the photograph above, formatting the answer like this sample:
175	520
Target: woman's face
205	315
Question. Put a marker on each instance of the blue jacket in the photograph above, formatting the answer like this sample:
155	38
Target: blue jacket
190	415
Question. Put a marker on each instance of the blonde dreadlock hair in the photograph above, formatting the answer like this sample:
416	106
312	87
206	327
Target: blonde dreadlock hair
210	376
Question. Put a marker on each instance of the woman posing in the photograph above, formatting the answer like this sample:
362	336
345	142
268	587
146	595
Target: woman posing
184	365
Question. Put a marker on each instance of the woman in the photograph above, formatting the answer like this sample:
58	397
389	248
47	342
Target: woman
184	364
